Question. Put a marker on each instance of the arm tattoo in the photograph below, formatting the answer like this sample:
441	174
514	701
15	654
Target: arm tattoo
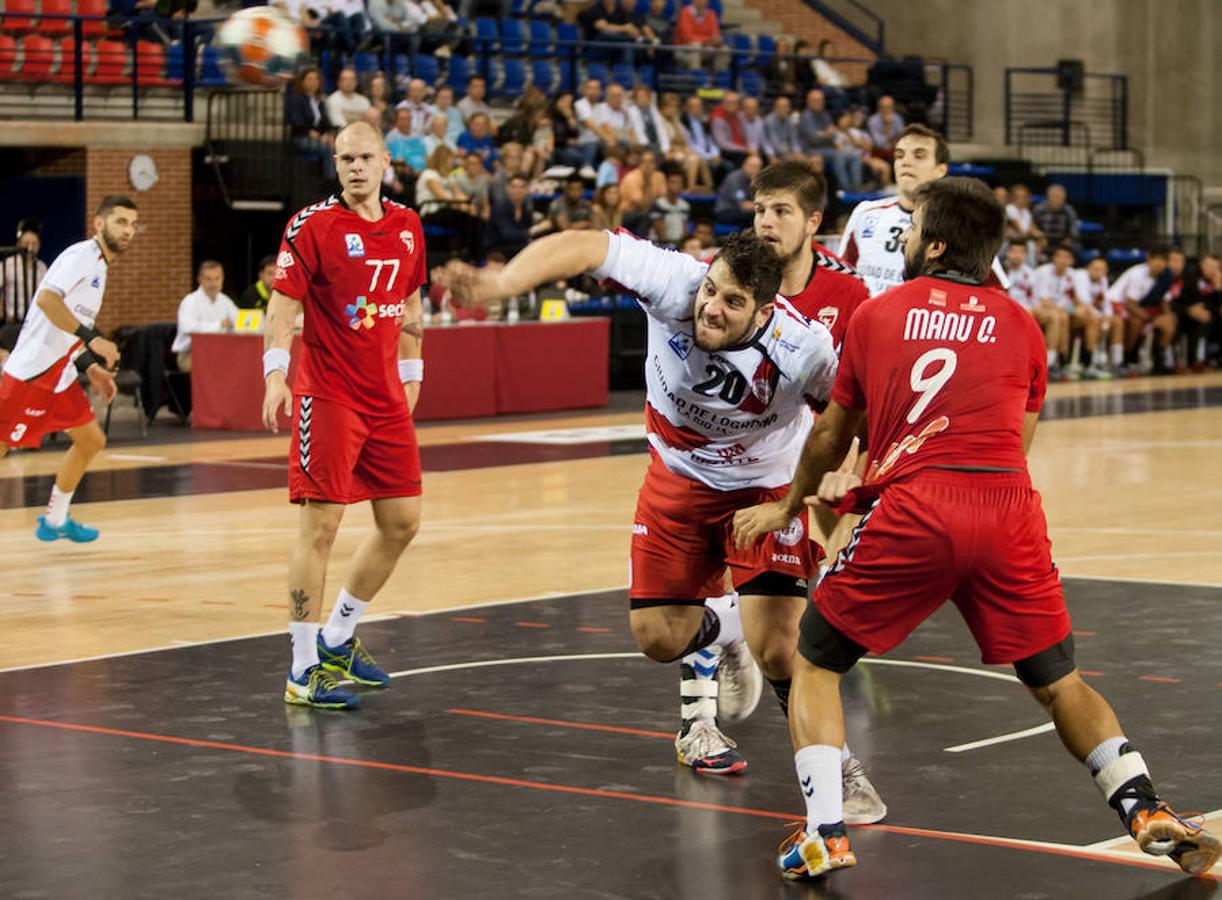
413	329
301	604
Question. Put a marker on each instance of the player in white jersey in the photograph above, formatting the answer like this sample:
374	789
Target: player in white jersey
39	391
1060	290
1094	286
730	369
871	239
1133	287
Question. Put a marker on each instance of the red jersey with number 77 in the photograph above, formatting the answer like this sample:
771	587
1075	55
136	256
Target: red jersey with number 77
946	370
353	278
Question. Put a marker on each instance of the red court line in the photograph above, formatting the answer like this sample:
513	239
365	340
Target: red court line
588	629
589	792
1161	679
467	619
1089	672
531	720
531	625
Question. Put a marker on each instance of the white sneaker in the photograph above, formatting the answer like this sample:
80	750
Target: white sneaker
587	172
741	683
862	805
703	747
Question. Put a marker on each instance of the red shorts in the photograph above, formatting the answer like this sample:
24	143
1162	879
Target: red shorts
29	410
978	539
340	455
682	539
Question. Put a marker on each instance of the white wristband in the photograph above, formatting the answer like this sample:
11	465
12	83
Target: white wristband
275	360
411	370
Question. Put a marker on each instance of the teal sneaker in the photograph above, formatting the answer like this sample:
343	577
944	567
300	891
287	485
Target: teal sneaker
318	688
351	660
72	530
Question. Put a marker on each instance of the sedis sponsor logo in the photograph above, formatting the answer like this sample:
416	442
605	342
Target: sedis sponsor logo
364	314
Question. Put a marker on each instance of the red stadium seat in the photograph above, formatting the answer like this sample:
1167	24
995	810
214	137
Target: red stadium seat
97	27
67	61
8	57
150	58
112	63
55	8
24	20
37	59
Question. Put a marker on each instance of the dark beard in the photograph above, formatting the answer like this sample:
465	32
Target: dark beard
111	244
915	268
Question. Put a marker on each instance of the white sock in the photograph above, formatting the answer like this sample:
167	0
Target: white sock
819	780
1117	355
57	508
1107	752
1052	358
845	753
726	607
698	695
1169	357
304	636
343	619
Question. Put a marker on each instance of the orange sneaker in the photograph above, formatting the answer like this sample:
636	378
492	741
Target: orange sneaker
803	856
1160	832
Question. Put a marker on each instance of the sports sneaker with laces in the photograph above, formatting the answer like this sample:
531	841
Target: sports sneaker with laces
740	683
318	688
71	529
1159	831
353	661
862	804
802	856
703	747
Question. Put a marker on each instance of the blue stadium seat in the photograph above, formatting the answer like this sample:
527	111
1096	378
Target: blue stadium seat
723	80
458	73
426	67
513	37
765	50
1124	258
567	36
513	80
641	8
487	35
173	62
1085	227
365	62
644	75
624	76
568	80
743	49
402	64
597	71
540	39
751	83
210	74
714	5
542	76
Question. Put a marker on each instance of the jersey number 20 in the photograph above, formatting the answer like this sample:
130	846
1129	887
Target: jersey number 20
927	385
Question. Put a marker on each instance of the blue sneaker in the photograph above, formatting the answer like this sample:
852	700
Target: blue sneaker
353	661
72	530
318	688
803	856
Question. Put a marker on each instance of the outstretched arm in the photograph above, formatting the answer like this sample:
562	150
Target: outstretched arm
547	259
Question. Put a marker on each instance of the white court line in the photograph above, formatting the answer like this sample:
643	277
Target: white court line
1180	554
1065	576
135	457
1002	738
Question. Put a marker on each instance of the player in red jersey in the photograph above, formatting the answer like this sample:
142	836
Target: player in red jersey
354	263
951	375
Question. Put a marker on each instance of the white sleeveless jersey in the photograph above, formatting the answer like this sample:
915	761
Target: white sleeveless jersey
731	419
1063	290
1095	292
1022	285
871	245
79	276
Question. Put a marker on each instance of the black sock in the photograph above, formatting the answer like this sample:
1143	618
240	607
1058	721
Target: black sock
781	687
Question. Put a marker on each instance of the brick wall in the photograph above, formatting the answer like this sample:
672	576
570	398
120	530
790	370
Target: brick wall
57	161
800	21
147	282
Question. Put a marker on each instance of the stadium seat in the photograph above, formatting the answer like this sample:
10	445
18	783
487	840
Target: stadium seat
150	63
38	58
567	38
568	78
723	80
624	76
19	15
112	61
598	72
540	39
744	50
426	67
513	37
95	27
487	35
644	75
513	80
765	50
751	83
458	74
174	63
67	61
365	62
210	74
1125	258
8	57
519	8
542	76
402	64
55	26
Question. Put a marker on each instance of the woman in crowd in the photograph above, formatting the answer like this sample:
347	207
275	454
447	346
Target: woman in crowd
608	212
307	117
443	105
438	135
696	171
377	89
565	129
851	123
441	202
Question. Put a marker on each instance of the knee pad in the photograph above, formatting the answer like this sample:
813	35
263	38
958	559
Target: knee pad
774	584
1049	665
822	644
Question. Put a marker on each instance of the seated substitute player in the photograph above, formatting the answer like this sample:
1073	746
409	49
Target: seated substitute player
1094	286
39	391
951	375
355	263
728	368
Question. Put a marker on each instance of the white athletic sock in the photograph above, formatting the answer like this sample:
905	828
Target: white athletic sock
819	780
1117	355
343	619
1052	358
57	508
1169	357
698	694
1107	752
728	613
304	636
845	753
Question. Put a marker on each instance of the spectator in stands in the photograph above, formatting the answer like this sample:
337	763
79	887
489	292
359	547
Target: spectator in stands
22	272
566	134
735	205
443	105
856	142
780	75
824	72
670	212
611	119
611	169
727	128
754	133
1055	218
439	133
657	28
885	127
648	128
512	162
255	296
475	182
571	210
377	89
1002	194
308	121
397	25
803	68
702	230
696	171
1021	277
477	139
781	128
1020	224
206	310
473	102
346	106
700	136
699	30
414	103
345	20
691	246
436	26
542	140
408	152
511	225
590	135
606	21
441	202
638	190
816	132
519	129
608	211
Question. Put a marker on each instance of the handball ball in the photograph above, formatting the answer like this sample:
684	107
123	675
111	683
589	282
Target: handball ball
261	46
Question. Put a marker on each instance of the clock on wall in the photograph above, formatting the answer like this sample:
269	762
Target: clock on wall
142	171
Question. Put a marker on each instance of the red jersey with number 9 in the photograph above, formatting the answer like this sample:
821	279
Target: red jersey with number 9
353	278
946	371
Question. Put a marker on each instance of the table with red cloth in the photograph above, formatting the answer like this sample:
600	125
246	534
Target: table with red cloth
469	371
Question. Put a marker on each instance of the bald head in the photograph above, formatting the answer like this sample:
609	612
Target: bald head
358	132
360	161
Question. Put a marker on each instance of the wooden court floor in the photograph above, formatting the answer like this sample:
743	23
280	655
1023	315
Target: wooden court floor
1129	493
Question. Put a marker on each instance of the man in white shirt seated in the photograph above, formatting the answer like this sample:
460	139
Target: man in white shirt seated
206	310
346	106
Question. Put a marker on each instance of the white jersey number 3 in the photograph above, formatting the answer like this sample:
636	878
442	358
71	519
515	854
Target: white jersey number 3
927	385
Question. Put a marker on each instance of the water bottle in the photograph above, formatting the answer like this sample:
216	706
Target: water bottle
512	315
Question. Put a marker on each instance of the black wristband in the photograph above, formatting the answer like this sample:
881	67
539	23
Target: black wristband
87	334
84	360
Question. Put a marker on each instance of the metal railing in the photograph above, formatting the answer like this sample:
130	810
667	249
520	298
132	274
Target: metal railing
247	145
952	111
855	19
1047	100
